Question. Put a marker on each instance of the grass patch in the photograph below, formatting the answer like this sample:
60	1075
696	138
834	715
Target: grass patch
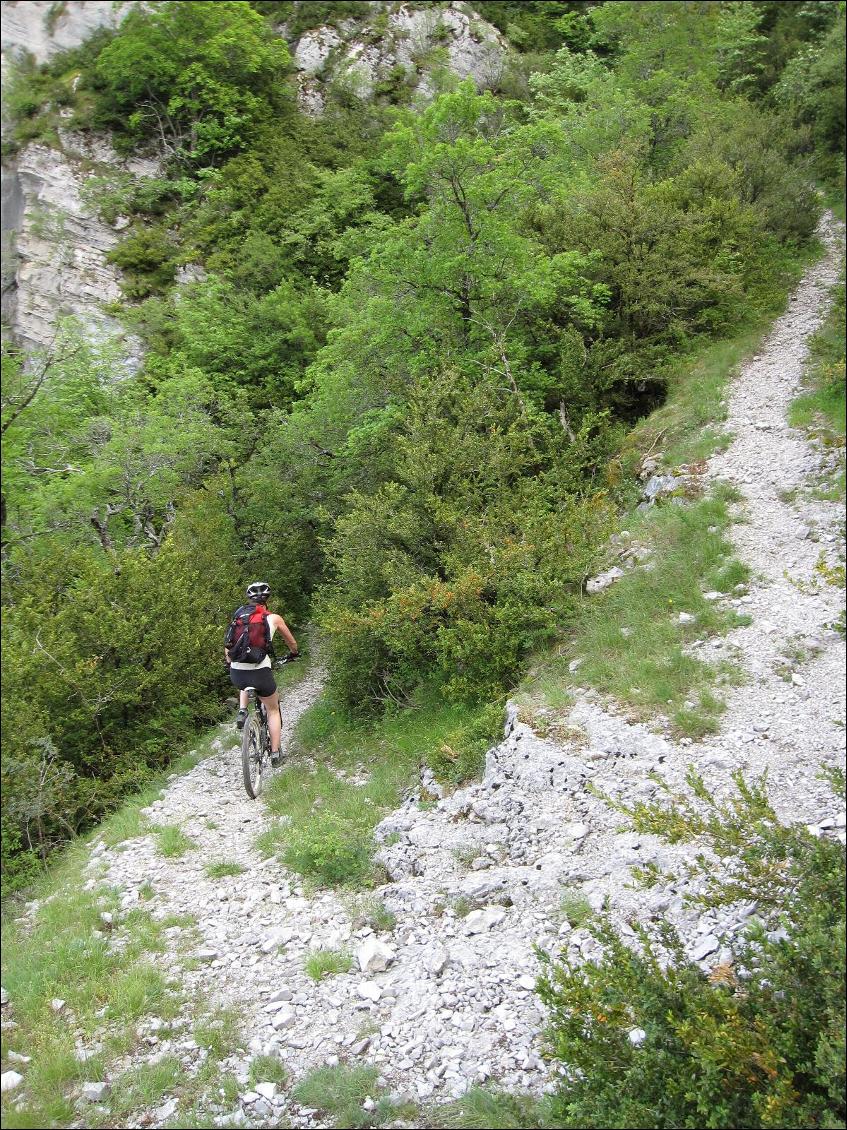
172	841
327	963
340	1091
223	869
482	1109
629	638
219	1032
576	908
60	952
267	1069
343	776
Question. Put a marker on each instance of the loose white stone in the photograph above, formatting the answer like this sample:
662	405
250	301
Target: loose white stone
284	1018
374	956
369	990
479	921
704	947
94	1092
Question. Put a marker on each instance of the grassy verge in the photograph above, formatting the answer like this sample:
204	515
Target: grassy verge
63	951
820	409
487	1109
342	1092
343	777
629	641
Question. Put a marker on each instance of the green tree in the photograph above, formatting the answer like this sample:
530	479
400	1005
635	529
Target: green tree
196	79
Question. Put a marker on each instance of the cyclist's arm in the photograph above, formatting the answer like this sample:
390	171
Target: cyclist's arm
283	629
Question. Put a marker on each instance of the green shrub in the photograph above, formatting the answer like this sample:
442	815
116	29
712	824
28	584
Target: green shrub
148	259
333	848
461	756
468	559
756	1043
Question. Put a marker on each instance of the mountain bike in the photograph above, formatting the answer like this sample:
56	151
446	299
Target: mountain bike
256	741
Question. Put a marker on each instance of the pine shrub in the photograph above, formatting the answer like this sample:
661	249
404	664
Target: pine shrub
759	1041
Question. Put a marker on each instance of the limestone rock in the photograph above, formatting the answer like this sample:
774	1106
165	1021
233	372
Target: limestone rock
95	1092
604	580
374	956
478	921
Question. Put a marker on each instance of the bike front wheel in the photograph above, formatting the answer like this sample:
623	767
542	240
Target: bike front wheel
253	760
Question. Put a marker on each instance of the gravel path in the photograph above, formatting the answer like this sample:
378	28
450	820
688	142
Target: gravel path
445	998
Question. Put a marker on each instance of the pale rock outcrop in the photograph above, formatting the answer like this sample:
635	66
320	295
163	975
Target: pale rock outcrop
470	48
56	245
42	28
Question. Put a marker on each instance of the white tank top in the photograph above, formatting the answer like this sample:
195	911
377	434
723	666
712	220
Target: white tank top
266	662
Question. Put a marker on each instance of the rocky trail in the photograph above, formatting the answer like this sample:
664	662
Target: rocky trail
444	998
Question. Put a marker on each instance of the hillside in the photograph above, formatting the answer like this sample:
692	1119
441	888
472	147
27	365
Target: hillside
507	344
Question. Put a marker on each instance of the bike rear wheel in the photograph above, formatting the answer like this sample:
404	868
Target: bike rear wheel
254	764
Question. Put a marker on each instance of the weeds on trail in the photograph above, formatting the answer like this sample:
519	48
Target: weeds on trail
368	910
340	1093
218	1033
327	963
224	869
575	907
172	842
483	1109
267	1069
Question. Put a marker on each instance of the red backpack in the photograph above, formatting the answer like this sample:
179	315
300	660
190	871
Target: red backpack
248	637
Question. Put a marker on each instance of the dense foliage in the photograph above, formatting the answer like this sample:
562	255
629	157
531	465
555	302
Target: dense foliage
760	1041
402	374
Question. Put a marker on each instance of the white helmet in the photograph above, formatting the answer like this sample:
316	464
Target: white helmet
258	591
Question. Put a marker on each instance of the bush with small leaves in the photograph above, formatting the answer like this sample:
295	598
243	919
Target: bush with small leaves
651	1040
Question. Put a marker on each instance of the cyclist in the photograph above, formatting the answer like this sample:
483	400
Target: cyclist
260	675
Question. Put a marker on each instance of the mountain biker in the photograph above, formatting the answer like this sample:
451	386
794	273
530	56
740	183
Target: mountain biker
259	675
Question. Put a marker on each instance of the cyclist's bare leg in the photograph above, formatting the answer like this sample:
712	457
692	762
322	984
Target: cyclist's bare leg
271	704
242	700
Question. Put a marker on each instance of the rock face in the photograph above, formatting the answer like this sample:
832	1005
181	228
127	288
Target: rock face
55	245
42	28
415	43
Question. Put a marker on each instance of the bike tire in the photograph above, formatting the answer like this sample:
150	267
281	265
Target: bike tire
252	758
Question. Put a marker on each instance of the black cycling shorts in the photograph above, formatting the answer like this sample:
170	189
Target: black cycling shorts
260	677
